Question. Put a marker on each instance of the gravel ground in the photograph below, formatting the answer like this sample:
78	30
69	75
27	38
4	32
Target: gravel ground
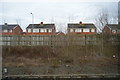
63	69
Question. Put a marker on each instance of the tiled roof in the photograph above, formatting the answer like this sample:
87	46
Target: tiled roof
81	26
113	26
41	26
6	27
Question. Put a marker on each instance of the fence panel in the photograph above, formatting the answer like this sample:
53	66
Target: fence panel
56	40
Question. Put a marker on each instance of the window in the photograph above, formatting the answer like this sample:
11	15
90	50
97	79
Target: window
92	30
49	30
29	30
43	30
71	30
35	30
86	30
113	31
78	30
5	31
10	30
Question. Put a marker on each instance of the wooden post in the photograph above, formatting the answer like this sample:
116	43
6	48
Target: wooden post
85	45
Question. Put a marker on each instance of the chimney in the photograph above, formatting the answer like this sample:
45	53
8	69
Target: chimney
41	23
80	22
5	24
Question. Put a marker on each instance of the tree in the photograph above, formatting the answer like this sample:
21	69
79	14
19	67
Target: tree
102	20
61	27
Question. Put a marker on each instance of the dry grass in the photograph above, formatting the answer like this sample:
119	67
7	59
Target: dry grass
45	55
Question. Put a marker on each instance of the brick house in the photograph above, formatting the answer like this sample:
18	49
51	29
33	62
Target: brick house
111	29
80	28
40	29
10	29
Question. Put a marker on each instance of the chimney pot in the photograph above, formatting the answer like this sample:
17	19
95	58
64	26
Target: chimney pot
41	22
5	24
80	22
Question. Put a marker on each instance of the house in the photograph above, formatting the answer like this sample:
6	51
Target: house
10	29
40	29
81	28
111	29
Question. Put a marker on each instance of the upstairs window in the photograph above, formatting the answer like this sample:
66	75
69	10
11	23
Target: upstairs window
92	30
10	30
78	30
113	31
71	30
86	30
29	30
35	30
49	30
5	30
43	30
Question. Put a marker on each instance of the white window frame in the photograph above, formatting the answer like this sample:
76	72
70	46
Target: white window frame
92	30
29	30
78	30
49	30
5	30
43	30
11	31
86	30
71	30
35	30
114	31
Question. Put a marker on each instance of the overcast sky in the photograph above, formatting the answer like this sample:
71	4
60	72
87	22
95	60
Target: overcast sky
59	12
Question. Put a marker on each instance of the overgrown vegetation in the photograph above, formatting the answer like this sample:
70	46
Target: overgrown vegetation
59	55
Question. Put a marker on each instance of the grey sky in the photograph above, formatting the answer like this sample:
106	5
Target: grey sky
54	11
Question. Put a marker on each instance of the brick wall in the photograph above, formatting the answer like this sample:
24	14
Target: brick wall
107	30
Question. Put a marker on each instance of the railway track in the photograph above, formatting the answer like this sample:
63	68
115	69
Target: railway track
65	76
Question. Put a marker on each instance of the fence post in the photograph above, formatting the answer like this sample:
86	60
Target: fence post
85	45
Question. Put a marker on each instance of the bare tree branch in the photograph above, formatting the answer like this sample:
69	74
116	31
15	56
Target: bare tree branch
102	19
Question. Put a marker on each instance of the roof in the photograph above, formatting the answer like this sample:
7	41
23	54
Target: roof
41	26
8	26
113	26
81	26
